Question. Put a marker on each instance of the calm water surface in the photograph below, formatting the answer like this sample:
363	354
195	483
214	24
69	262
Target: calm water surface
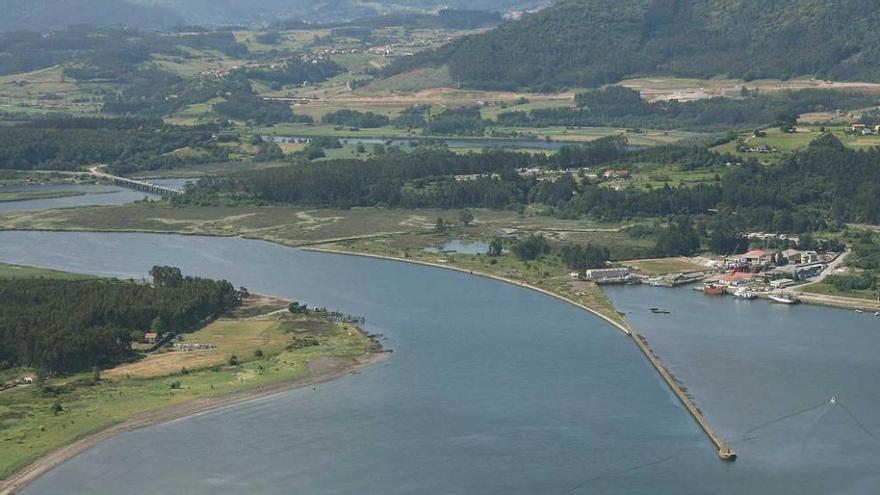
459	246
496	389
94	194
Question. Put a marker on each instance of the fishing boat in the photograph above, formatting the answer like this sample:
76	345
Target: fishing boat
877	313
859	311
784	298
745	294
713	289
660	311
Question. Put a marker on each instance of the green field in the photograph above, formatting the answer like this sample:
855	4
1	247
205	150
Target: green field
663	266
32	425
298	226
18	271
830	290
784	142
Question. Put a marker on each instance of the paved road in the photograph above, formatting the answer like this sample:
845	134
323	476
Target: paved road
829	270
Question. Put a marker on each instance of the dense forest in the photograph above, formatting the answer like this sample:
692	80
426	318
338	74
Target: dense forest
295	71
824	184
251	108
127	144
63	326
353	118
583	43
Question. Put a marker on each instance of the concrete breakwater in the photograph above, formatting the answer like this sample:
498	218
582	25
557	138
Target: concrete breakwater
724	451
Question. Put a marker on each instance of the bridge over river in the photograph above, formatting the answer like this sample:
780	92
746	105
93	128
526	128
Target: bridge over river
138	185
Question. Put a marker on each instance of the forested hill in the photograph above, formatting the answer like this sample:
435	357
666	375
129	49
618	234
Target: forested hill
578	43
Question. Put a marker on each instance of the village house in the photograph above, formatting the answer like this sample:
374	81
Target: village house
798	257
809	257
861	129
798	272
737	279
617	174
781	282
151	337
792	255
759	256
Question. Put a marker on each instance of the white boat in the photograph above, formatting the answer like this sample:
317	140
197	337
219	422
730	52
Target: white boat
744	294
784	298
859	311
877	313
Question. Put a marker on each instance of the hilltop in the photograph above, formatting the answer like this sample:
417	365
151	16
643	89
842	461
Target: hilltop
581	43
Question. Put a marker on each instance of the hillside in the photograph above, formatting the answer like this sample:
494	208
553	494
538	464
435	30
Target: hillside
579	43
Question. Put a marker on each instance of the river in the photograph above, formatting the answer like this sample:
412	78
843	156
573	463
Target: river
497	389
92	195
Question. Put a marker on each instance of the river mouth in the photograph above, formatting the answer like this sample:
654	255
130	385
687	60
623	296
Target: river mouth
491	389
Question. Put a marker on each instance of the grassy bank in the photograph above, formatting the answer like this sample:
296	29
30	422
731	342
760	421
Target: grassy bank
258	348
297	226
37	419
387	232
6	197
826	289
18	271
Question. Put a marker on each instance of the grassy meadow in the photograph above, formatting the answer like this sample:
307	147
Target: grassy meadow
36	419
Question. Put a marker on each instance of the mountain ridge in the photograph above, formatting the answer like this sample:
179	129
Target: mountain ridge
582	43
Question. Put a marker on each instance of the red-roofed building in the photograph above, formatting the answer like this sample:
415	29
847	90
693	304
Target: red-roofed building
759	256
737	278
151	337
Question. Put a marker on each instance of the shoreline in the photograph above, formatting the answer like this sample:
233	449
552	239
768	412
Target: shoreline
724	451
622	327
55	458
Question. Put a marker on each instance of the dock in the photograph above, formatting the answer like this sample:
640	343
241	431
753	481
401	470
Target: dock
724	451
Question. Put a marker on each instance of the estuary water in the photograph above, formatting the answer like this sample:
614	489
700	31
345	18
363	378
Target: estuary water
494	389
92	195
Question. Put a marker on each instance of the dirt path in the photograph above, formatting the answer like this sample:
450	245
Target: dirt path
322	370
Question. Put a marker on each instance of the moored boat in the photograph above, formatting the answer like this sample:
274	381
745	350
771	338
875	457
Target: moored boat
744	294
713	289
784	298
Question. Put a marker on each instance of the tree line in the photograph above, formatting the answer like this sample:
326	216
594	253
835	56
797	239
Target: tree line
65	326
127	144
618	106
825	184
